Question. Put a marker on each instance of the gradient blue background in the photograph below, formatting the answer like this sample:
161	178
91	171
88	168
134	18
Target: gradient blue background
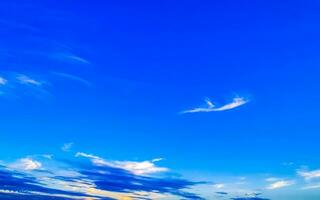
149	60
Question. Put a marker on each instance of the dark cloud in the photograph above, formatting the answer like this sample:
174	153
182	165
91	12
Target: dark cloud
30	197
24	184
222	193
120	180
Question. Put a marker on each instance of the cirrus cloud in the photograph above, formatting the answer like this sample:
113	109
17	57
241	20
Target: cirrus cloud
236	102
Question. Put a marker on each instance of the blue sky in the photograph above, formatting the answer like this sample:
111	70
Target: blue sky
171	99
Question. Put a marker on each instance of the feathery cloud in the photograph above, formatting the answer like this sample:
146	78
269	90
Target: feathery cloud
237	101
139	168
280	184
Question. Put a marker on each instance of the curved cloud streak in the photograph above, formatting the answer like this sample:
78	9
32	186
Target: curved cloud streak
24	79
72	77
236	102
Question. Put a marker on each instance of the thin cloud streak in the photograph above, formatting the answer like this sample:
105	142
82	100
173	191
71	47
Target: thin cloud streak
79	59
24	79
237	101
71	58
72	77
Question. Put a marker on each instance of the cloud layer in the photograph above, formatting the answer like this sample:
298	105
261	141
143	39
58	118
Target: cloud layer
92	177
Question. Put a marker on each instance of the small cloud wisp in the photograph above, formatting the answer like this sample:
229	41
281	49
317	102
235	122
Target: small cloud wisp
237	101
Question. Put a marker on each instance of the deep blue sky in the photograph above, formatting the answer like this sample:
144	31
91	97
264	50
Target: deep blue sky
116	75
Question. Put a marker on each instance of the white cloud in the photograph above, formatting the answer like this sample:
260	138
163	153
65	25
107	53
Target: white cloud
67	146
3	81
218	186
94	159
23	79
308	175
27	164
139	168
280	184
237	101
9	192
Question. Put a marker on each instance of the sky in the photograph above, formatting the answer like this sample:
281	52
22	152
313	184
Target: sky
159	100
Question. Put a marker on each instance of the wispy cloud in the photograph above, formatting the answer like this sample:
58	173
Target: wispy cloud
236	102
308	175
280	184
24	79
27	164
67	146
3	81
16	85
78	59
70	57
72	77
37	85
139	168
